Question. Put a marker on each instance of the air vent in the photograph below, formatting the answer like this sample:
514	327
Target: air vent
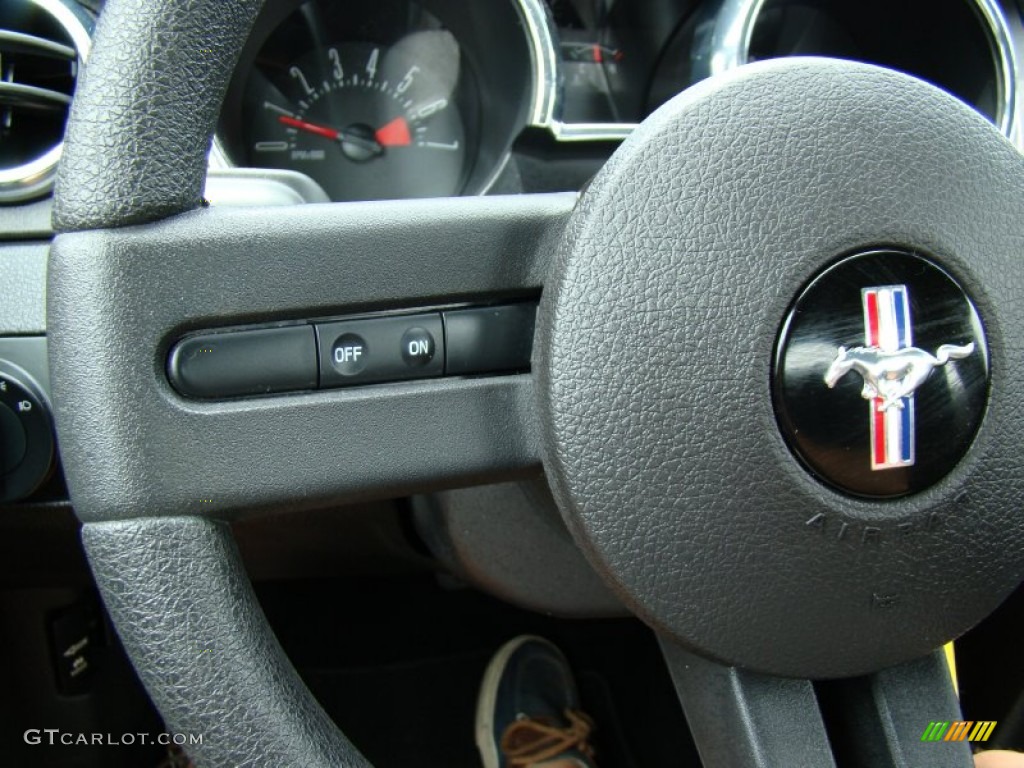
42	45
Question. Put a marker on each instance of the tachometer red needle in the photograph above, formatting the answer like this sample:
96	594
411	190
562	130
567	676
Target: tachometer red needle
394	134
319	130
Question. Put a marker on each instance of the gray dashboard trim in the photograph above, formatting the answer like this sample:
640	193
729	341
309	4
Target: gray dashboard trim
27	221
23	288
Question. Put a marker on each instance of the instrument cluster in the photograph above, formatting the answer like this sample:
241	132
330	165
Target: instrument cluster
427	98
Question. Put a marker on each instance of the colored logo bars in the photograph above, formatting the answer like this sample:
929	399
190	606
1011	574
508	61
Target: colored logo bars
959	730
887	328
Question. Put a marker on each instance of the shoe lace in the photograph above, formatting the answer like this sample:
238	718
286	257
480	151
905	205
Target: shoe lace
531	740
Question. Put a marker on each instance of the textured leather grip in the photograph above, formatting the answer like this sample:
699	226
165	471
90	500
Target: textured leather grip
145	110
187	616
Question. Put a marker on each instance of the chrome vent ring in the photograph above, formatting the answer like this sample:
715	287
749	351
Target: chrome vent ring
43	44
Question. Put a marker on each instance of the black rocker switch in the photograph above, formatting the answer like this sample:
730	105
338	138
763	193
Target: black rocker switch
489	339
236	363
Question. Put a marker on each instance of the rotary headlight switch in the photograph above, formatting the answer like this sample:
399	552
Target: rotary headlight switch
26	434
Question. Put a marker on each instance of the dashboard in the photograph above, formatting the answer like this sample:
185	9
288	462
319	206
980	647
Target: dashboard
432	98
341	101
421	98
418	98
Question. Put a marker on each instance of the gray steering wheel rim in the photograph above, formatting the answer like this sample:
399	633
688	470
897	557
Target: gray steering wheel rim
155	80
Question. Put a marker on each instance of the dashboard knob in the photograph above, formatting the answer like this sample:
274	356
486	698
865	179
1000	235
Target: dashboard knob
26	434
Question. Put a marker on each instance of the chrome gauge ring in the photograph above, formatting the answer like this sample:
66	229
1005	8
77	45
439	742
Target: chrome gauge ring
731	42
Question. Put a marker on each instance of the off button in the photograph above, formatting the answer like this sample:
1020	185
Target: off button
350	354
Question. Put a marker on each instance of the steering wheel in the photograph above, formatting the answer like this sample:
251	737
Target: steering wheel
693	299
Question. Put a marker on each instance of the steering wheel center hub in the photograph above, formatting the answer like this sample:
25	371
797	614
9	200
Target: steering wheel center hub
657	338
880	354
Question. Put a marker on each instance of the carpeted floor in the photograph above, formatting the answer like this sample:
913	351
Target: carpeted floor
397	666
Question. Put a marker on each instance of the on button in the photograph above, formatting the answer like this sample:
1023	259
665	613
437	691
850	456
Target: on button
417	347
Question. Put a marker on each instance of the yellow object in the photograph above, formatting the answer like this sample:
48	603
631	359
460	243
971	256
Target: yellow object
951	662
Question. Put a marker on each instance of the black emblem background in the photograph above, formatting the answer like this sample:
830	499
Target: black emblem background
828	429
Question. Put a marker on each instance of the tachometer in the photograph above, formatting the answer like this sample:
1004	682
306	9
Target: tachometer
368	119
386	99
365	121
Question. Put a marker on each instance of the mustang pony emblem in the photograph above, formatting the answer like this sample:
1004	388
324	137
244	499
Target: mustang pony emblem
892	369
892	376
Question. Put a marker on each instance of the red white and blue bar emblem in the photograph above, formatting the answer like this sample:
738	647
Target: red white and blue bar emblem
887	328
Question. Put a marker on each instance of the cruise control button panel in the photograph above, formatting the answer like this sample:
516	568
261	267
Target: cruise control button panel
376	349
347	352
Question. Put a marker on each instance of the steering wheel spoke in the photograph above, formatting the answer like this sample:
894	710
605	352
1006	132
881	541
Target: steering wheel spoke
744	719
120	298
